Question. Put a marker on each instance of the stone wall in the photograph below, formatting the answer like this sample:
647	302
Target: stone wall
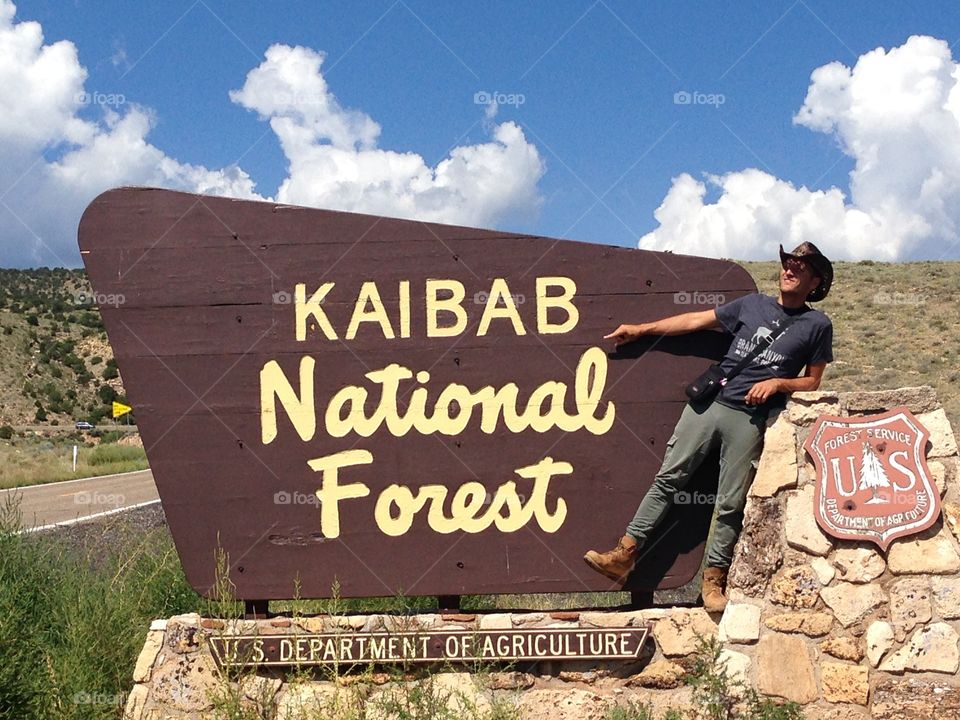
843	629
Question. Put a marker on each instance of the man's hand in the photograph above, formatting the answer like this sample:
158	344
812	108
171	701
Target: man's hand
625	334
675	325
761	391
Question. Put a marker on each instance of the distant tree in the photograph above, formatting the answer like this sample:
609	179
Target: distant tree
53	393
107	394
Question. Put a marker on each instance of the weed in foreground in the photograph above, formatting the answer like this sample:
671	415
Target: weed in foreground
717	695
720	696
73	618
639	711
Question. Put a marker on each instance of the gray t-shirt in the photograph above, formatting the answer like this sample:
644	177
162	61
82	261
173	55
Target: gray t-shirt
807	341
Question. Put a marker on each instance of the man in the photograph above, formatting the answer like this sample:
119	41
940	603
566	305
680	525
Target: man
736	418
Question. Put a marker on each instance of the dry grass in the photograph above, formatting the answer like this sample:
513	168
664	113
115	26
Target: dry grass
32	461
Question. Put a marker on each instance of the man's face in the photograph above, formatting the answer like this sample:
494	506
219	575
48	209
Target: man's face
798	278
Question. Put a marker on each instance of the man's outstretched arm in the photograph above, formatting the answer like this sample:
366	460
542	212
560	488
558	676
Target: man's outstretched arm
762	390
674	325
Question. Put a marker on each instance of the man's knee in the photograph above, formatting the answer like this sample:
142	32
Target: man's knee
729	506
671	481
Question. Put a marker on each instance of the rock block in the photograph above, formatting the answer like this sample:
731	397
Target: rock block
851	603
844	683
778	463
931	552
783	668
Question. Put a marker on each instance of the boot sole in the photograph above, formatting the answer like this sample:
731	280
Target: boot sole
619	579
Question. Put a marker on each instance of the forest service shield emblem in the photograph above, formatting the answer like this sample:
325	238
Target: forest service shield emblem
872	482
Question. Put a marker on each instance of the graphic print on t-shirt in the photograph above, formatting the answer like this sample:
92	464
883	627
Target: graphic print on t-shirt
768	358
753	319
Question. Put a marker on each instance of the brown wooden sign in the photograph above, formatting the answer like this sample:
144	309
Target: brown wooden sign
873	482
396	406
454	646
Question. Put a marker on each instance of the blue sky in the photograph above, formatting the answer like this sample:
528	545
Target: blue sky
594	91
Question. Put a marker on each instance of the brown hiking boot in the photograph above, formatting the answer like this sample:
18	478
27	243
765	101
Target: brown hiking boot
712	589
616	564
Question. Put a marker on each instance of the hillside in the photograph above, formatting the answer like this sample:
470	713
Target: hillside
56	366
894	325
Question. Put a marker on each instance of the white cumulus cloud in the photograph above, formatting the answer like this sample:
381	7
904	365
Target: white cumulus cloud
55	157
334	161
53	161
896	113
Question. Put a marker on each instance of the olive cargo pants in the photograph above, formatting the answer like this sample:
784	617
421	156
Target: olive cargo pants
699	430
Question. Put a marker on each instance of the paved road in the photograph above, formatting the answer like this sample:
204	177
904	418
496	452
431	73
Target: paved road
73	500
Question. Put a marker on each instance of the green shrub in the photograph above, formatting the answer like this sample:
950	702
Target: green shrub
53	393
106	454
107	394
75	620
97	413
630	711
6	432
719	696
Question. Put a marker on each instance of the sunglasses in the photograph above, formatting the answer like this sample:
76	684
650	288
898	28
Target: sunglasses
797	266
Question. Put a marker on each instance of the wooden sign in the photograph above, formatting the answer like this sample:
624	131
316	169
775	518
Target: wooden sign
393	406
454	646
873	482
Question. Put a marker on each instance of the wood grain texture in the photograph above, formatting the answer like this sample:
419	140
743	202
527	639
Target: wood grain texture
201	316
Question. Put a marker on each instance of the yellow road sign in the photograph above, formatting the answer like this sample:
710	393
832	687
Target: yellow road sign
120	409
